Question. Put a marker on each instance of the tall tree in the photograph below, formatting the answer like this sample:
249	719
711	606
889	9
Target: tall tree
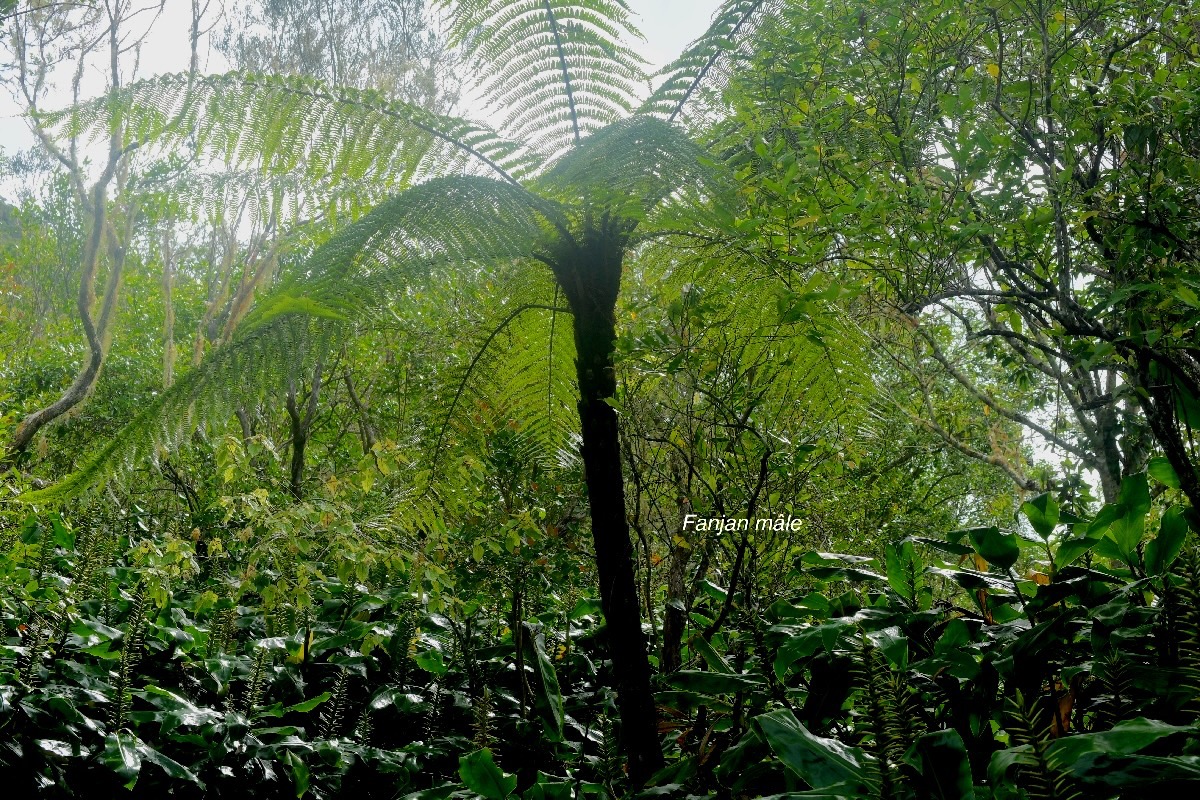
1012	179
581	182
43	40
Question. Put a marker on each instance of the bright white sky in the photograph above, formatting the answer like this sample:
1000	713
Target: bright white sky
668	26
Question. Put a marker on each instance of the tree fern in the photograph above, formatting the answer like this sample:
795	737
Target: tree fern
567	80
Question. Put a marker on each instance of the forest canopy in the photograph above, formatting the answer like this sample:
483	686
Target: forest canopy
435	399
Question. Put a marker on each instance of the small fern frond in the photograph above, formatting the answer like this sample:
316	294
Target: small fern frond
557	68
708	60
290	124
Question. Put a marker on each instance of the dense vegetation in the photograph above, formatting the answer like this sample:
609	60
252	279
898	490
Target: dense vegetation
819	422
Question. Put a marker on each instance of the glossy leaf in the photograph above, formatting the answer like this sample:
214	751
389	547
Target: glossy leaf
481	775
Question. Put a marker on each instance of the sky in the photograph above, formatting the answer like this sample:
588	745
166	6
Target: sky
667	25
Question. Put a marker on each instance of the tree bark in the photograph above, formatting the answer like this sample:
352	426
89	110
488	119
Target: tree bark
301	426
168	284
595	337
96	330
1157	399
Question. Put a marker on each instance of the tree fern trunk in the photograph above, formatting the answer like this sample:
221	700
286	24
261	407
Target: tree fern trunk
595	335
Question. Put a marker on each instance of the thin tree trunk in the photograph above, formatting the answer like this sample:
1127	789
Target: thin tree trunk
96	329
595	336
168	254
301	424
1157	399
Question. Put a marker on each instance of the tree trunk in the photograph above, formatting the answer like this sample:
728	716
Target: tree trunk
595	336
168	283
96	330
301	426
1157	398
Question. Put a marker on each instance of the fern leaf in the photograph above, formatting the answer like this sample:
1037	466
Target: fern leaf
557	68
710	59
420	237
290	124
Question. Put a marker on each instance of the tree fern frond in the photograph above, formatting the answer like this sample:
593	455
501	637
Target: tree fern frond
517	366
557	68
418	237
632	165
289	124
282	201
710	58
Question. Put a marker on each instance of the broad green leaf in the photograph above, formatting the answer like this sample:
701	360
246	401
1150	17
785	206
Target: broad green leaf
1161	470
941	758
122	757
300	774
550	699
168	765
309	705
1124	738
1042	513
820	762
710	655
845	574
431	661
952	548
997	548
902	570
893	643
1072	549
806	641
481	775
712	682
1135	494
1164	548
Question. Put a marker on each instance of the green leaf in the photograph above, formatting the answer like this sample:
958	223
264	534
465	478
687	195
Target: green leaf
845	574
309	705
941	758
1161	470
168	765
1124	738
694	680
1072	549
1162	551
431	661
1129	517
901	570
122	757
997	548
711	657
1135	494
818	761
1042	513
550	699
893	643
101	651
806	640
481	775
952	548
300	774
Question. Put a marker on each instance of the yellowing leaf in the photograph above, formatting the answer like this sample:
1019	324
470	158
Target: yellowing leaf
993	70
